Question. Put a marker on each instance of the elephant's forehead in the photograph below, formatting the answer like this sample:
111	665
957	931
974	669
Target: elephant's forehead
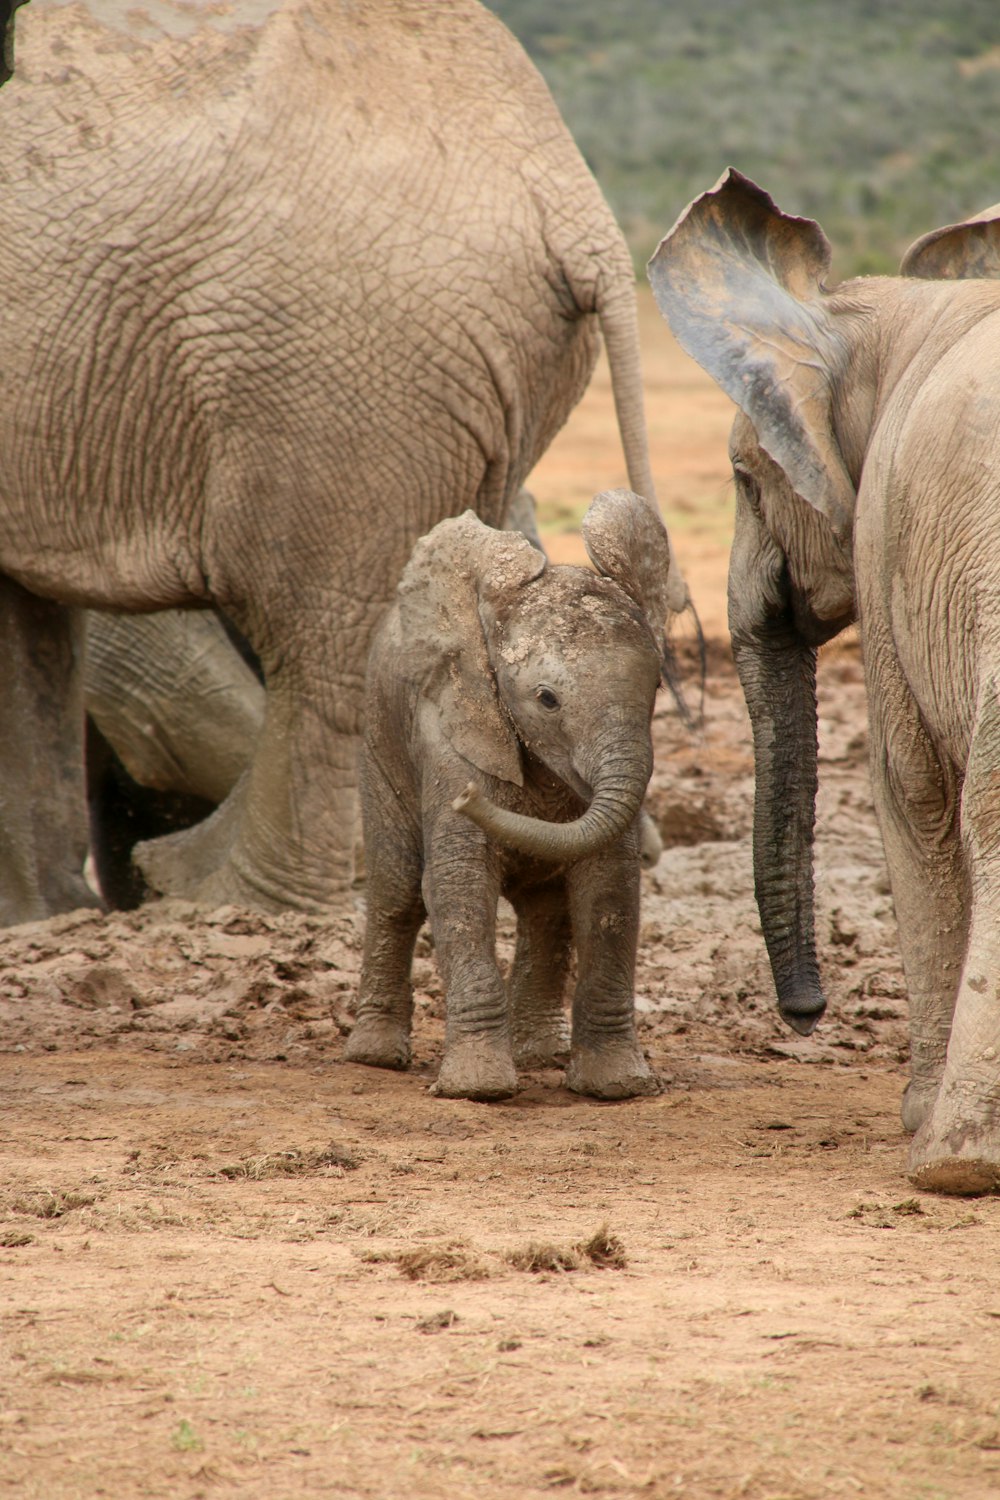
568	616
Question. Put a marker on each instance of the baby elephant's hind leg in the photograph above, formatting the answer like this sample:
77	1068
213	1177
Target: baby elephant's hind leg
539	1022
606	1060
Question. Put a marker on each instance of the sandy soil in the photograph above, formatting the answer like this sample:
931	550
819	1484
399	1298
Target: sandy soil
232	1265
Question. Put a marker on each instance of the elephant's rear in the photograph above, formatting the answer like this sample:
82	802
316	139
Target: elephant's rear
209	283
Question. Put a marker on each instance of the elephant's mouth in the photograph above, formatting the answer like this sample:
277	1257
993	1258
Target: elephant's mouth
552	773
582	788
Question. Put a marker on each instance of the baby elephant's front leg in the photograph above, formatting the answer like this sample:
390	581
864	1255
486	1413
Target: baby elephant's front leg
606	1060
461	889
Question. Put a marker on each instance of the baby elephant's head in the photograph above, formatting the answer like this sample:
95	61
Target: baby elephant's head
559	662
577	670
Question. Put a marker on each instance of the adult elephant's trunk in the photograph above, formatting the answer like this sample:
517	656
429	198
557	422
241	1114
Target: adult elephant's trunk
619	788
778	673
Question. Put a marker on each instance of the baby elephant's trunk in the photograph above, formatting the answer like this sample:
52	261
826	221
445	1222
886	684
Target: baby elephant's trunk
619	788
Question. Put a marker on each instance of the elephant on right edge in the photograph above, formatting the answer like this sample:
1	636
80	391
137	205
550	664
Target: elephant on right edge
867	463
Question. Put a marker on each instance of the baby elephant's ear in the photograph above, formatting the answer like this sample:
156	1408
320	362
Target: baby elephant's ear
627	542
445	652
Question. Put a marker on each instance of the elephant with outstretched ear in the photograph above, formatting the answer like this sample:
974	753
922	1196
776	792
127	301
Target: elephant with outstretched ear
285	283
867	464
506	752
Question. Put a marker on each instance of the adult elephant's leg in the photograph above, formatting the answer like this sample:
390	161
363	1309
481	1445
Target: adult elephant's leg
284	837
916	801
461	889
122	813
174	698
538	978
43	809
605	1057
395	909
174	713
957	1149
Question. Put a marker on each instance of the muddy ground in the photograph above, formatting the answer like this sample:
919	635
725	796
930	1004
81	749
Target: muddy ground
232	1265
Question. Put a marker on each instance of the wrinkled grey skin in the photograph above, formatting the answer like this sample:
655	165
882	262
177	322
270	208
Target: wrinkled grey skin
867	462
522	517
507	750
251	349
174	715
175	699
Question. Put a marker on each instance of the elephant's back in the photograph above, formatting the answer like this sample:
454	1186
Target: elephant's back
422	131
100	66
331	224
104	66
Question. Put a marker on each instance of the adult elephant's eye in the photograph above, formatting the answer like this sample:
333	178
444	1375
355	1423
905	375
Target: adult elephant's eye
546	697
748	487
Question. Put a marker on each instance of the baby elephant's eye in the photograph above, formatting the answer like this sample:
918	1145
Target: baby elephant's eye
546	697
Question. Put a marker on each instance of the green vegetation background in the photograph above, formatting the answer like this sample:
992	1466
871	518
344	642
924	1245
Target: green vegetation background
879	118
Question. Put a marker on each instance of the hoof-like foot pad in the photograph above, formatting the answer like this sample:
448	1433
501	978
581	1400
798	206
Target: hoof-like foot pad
613	1072
477	1068
378	1042
964	1176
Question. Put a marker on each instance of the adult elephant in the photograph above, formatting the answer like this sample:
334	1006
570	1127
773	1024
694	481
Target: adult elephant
867	463
283	287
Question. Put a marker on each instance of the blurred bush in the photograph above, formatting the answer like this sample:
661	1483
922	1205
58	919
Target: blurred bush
879	118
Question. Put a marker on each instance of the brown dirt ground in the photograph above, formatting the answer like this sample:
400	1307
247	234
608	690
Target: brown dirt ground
232	1265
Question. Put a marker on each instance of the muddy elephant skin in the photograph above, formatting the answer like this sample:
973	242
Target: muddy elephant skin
507	750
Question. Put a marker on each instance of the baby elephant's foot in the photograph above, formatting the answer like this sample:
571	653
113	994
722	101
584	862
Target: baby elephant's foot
477	1068
612	1070
380	1041
546	1047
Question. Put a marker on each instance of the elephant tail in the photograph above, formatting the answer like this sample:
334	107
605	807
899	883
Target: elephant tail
612	295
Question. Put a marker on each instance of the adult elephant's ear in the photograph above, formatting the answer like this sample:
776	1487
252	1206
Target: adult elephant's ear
958	252
627	543
741	285
444	652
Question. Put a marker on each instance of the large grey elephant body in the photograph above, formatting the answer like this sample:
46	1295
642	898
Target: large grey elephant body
280	292
867	462
538	682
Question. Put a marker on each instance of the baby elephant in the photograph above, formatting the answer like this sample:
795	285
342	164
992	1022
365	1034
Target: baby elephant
536	681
